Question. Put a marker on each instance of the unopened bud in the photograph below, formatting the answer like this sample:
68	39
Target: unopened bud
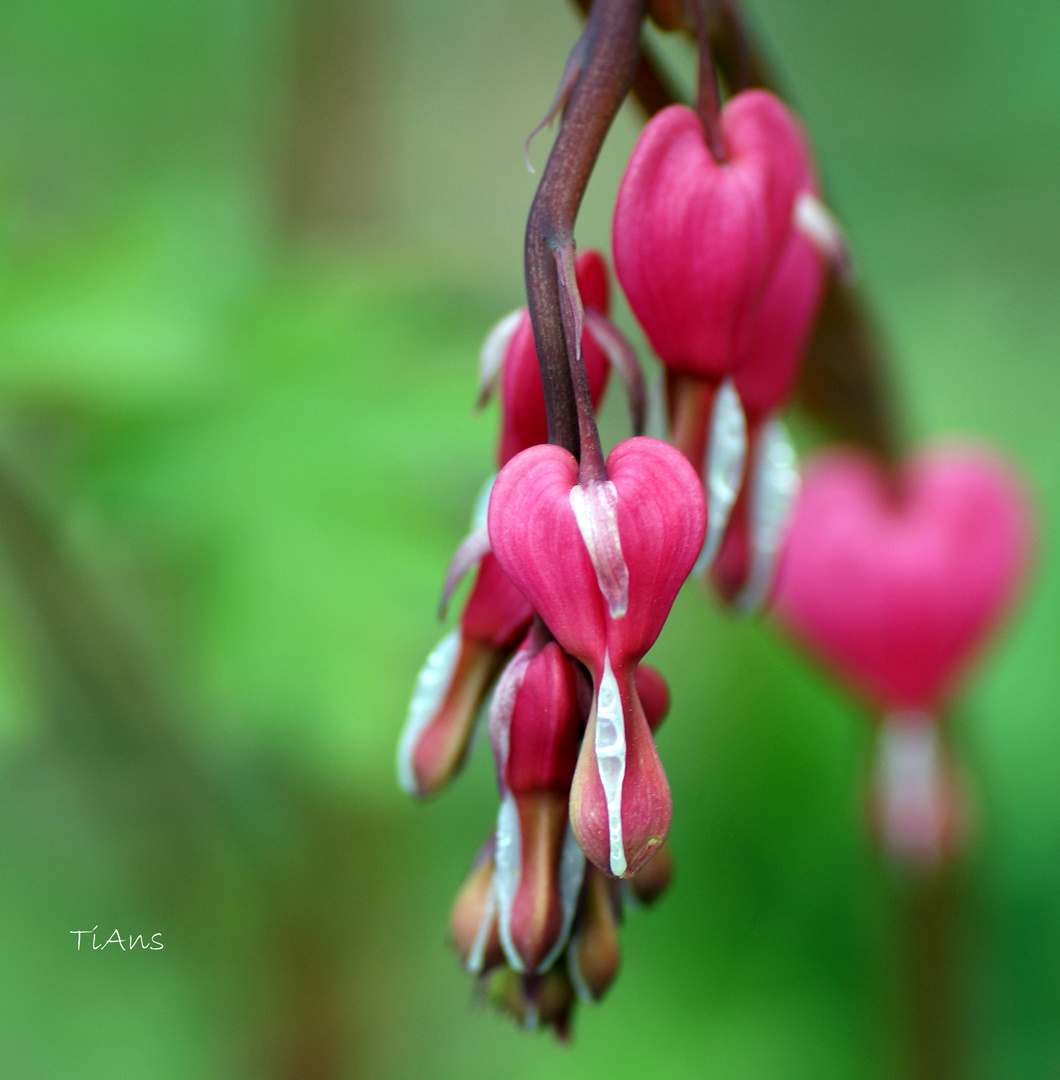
539	864
654	877
534	1001
620	799
441	719
473	921
594	953
654	695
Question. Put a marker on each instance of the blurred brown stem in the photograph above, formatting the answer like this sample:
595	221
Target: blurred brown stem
929	920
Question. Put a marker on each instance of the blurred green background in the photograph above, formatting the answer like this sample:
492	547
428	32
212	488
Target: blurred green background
248	251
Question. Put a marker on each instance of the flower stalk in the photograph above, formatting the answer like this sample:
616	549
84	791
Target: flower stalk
610	47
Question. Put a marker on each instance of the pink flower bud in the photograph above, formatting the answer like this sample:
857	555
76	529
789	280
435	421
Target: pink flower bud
473	921
447	696
545	726
523	419
896	586
456	678
535	724
695	242
620	804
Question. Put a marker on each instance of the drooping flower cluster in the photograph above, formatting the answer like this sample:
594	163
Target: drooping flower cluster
574	580
722	245
578	562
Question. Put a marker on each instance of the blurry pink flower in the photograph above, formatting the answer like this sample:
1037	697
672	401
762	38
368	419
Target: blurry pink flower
896	583
897	586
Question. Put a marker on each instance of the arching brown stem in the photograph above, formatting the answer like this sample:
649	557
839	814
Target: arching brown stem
611	45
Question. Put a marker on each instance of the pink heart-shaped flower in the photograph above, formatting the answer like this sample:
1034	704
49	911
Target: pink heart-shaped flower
660	514
896	585
696	241
781	325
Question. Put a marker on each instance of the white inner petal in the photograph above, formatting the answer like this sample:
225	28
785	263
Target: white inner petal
774	489
507	859
595	506
495	348
816	222
610	746
911	786
482	504
430	688
722	468
476	957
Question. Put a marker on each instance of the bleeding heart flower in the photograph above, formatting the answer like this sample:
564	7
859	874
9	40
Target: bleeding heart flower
779	331
602	563
695	241
896	585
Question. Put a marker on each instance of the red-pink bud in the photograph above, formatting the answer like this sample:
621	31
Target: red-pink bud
473	921
620	804
523	419
896	586
446	699
535	723
496	612
695	241
545	726
654	694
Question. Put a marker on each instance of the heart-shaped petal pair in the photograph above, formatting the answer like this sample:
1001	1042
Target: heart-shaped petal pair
695	241
534	531
895	582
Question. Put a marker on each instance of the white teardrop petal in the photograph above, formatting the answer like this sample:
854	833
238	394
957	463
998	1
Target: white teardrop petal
723	469
774	488
595	506
507	859
610	747
430	688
